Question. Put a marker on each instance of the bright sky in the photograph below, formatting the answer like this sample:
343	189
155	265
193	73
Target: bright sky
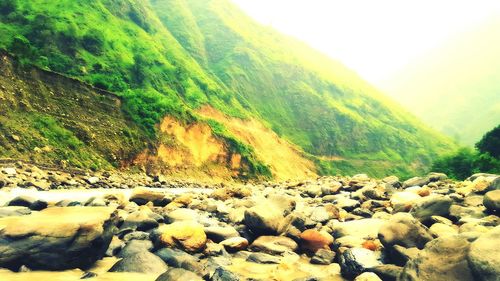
376	38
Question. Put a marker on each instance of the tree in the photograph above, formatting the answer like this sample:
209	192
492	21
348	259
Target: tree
21	46
93	41
490	143
7	6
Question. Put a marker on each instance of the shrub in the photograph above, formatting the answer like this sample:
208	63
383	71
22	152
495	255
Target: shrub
93	41
490	143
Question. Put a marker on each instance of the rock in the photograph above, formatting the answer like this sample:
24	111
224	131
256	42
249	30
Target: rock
484	256
264	219
363	228
232	191
114	247
219	234
181	214
92	180
222	274
14	211
313	240
355	261
403	201
140	220
367	276
186	235
56	238
416	181
426	207
180	259
141	196
235	244
441	229
143	262
135	246
491	200
178	274
444	258
30	202
274	244
402	229
9	171
387	272
263	258
331	188
323	256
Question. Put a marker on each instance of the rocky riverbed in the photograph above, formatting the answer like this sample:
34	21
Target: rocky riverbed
55	225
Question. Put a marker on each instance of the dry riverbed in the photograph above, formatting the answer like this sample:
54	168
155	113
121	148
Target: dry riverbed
116	226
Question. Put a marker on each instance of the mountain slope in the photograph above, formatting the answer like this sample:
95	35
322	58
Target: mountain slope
455	88
171	57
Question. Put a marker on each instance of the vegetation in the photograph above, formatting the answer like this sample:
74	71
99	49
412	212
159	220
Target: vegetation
169	57
467	161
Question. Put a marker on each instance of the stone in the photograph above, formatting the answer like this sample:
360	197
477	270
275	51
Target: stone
135	246
323	256
178	274
92	180
143	262
274	244
141	220
141	196
222	274
402	229
181	214
14	211
416	181
233	191
264	219
263	258
331	188
435	205
403	201
444	258
313	240
363	228
387	272
441	229
484	255
235	244
180	259
9	171
491	200
185	235
355	261
56	238
219	234
367	276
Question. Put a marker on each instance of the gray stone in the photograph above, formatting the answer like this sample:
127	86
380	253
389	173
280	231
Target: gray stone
484	256
323	256
355	261
491	200
274	244
434	205
143	262
263	258
402	229
178	274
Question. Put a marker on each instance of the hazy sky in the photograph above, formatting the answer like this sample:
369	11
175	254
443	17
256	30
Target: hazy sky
376	38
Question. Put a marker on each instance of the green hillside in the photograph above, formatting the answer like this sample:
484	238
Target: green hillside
169	57
455	87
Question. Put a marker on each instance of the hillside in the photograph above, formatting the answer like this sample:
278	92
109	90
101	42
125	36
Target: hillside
455	88
168	59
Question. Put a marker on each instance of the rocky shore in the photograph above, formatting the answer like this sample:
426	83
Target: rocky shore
56	225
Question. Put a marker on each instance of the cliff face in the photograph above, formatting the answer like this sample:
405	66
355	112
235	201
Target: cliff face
50	118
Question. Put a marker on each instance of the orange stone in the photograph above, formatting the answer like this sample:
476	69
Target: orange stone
313	240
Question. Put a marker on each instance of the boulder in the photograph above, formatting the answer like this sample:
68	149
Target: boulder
265	218
402	229
222	274
263	258
403	201
178	274
367	276
181	214
313	240
484	256
141	196
235	244
274	244
180	259
143	219
185	235
444	258
14	211
491	200
56	238
219	234
142	262
363	228
436	205
355	261
323	256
